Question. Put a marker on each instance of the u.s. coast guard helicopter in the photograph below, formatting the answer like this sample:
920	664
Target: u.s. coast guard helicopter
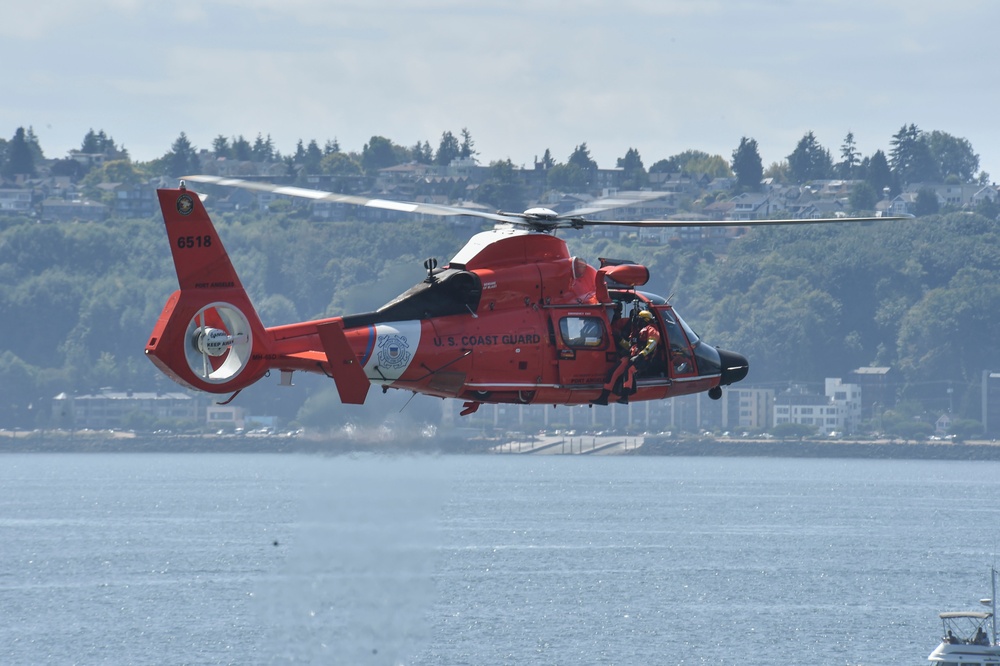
512	318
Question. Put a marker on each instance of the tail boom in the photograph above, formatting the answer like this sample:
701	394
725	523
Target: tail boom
209	336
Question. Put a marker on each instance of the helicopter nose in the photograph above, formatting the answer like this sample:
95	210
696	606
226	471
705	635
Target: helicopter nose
734	367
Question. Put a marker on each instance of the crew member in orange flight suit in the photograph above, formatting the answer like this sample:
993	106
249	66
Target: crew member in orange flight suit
643	345
649	340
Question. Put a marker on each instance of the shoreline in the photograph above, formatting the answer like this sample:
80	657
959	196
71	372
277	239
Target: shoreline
770	448
653	445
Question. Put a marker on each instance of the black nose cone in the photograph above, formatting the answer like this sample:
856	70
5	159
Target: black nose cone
734	367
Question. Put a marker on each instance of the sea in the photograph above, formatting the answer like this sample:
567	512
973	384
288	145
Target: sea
483	560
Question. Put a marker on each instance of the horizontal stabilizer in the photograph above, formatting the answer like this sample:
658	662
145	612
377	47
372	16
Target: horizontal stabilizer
348	375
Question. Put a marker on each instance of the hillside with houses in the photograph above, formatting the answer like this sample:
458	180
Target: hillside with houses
911	302
923	173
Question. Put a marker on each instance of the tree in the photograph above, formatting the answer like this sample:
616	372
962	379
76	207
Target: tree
634	175
378	153
953	156
878	175
502	188
694	162
863	197
17	388
950	330
422	153
242	150
988	208
747	165
568	178
926	203
850	157
100	143
20	160
263	149
34	146
182	158
341	164
778	172
448	149
467	150
809	160
581	158
309	158
965	429
67	167
910	157
220	147
911	430
547	161
789	430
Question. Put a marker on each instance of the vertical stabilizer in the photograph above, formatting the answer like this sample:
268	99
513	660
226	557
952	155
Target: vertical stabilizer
209	336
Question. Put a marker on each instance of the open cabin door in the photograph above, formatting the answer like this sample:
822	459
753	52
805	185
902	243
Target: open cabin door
677	352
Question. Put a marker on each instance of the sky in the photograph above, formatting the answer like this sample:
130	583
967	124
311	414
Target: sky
523	76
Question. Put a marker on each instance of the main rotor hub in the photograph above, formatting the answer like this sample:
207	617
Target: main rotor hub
546	214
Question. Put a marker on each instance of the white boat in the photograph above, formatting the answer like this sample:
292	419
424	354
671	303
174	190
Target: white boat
970	637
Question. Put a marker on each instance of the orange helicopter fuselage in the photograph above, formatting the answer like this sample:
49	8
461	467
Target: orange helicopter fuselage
513	318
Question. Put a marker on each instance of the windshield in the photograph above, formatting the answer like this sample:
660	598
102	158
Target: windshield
691	335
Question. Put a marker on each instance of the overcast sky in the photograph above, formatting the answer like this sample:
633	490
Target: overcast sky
661	76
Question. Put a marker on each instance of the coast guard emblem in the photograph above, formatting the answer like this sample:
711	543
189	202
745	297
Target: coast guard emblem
185	204
393	352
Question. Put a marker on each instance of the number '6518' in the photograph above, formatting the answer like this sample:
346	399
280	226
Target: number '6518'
185	242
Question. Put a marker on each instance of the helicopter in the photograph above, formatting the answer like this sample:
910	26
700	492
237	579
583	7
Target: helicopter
512	318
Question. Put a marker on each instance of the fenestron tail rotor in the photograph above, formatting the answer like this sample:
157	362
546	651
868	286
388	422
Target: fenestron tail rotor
219	342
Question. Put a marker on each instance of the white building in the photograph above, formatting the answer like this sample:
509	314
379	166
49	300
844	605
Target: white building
839	410
847	399
748	408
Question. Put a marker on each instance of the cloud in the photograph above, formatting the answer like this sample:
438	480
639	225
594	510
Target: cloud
523	75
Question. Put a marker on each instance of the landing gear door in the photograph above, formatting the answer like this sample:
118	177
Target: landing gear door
676	346
582	346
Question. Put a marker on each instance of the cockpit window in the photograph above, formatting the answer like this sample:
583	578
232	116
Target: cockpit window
582	332
692	336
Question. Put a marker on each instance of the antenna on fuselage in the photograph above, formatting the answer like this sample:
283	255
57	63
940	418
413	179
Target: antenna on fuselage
429	266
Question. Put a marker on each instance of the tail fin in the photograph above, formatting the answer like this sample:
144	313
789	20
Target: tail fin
209	336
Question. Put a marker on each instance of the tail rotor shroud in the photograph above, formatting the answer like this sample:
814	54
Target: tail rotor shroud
220	342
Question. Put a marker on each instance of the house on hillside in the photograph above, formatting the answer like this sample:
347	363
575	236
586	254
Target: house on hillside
752	206
68	210
15	202
986	193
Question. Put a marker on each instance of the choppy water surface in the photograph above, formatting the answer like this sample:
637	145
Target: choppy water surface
247	559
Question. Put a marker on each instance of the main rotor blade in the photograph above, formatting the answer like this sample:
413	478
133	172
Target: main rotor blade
580	222
541	223
385	204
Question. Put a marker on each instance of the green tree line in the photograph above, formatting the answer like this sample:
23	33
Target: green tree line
804	303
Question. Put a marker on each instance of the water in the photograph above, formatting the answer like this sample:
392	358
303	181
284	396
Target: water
486	560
